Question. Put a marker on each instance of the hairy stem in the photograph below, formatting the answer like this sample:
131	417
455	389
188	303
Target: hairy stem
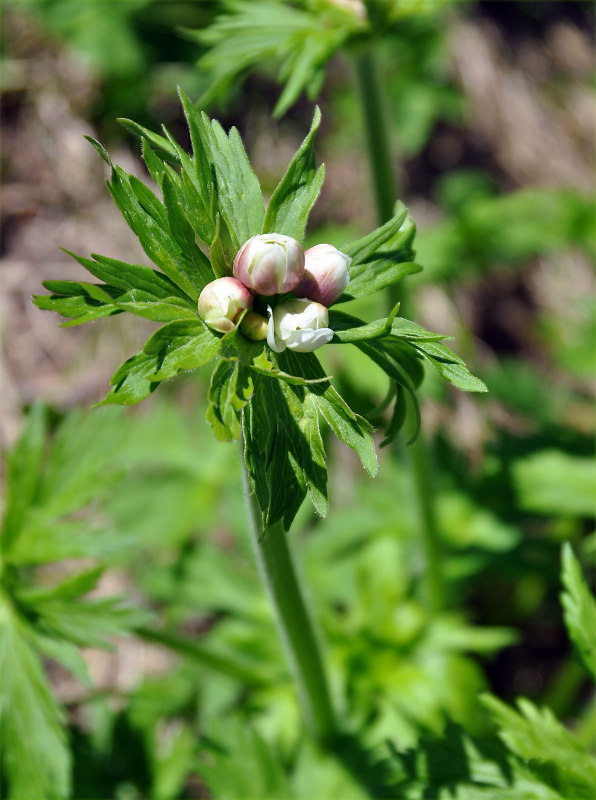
277	570
385	189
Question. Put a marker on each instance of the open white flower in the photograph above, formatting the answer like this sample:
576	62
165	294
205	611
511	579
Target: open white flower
299	325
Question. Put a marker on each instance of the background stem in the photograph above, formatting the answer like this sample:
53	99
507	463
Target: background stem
385	189
277	570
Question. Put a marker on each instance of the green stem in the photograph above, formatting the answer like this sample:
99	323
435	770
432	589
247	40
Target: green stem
277	570
385	190
377	137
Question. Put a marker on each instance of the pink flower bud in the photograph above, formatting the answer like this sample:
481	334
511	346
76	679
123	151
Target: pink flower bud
325	274
254	326
299	325
270	263
222	302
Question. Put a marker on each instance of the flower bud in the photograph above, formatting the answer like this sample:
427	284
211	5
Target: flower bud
221	303
270	263
299	325
254	326
325	274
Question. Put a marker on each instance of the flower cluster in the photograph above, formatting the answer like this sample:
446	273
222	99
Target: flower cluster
272	264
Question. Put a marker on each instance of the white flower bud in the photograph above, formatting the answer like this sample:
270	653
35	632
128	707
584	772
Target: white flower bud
299	325
325	274
270	263
221	303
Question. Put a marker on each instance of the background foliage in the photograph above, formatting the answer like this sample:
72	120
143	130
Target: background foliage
143	510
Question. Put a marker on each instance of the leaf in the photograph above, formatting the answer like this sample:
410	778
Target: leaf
237	197
345	331
156	240
250	33
350	428
381	258
579	607
229	391
99	148
555	483
274	450
24	468
297	192
34	755
546	747
174	347
450	366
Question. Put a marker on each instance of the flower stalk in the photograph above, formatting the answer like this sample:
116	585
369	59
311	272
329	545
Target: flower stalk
278	573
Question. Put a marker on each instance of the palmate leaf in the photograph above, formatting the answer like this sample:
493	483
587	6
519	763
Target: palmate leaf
249	33
48	481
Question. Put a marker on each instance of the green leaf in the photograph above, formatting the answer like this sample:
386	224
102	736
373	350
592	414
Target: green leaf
176	346
381	258
34	755
155	239
346	331
556	483
99	148
297	191
24	468
579	607
350	428
250	33
546	747
238	197
274	450
230	390
450	366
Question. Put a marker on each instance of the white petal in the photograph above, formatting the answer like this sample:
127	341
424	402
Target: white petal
305	341
274	343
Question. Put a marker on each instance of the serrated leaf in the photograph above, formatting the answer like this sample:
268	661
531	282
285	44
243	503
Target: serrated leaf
237	191
349	427
24	467
34	755
230	390
546	747
176	346
579	608
450	366
273	450
156	241
297	192
381	258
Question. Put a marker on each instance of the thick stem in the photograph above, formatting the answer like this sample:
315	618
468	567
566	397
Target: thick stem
385	190
302	649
